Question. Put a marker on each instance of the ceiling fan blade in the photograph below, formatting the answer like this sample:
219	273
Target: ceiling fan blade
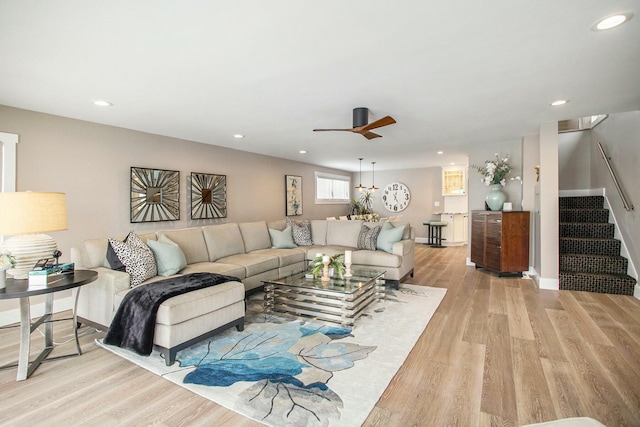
370	135
325	130
385	121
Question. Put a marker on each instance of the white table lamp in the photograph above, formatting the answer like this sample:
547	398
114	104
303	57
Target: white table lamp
24	215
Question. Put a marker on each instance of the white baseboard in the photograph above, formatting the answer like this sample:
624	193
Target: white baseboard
636	291
10	317
548	284
424	240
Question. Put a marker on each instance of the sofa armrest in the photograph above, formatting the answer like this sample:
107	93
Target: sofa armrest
96	301
403	247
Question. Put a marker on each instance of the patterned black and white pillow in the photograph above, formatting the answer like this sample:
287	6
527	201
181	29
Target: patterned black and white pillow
301	232
368	237
137	258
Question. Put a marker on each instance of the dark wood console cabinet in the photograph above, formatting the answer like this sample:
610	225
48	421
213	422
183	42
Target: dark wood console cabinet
500	240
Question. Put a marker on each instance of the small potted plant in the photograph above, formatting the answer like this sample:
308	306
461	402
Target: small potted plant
336	262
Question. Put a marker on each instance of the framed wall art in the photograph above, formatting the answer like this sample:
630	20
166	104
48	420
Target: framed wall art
155	195
293	194
208	196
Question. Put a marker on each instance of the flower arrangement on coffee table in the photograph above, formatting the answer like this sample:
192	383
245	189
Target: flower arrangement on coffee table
336	262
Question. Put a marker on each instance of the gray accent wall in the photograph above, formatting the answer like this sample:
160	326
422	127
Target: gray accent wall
91	163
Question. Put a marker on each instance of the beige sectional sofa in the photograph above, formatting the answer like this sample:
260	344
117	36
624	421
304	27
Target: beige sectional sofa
242	250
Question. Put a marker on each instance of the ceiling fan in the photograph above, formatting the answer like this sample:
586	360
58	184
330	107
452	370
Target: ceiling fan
360	119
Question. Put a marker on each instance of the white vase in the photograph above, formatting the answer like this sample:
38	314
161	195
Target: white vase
496	198
3	279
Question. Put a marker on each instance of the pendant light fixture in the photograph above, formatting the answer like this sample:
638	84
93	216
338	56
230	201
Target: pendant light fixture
361	187
373	177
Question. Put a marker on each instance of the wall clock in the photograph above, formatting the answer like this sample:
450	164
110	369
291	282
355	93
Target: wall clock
396	197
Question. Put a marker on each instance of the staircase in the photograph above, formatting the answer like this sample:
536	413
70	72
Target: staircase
589	255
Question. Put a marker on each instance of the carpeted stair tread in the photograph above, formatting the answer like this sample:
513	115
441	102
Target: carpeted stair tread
579	245
592	230
600	215
620	284
581	202
577	263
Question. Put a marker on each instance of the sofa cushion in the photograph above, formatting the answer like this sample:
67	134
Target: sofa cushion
255	235
254	263
301	232
282	239
216	267
388	236
136	257
169	257
285	256
368	237
319	231
343	233
191	241
223	240
376	259
197	303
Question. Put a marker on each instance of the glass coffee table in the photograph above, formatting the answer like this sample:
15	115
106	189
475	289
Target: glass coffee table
337	300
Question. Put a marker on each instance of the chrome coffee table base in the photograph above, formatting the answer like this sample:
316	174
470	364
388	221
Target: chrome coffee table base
340	301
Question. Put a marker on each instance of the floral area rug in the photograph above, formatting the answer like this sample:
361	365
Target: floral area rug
289	371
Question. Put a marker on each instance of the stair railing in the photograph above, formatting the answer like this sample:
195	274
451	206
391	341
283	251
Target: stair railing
627	205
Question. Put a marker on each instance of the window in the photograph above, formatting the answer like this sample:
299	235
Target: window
332	188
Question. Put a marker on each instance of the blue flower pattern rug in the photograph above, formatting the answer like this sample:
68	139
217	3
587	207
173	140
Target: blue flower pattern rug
288	371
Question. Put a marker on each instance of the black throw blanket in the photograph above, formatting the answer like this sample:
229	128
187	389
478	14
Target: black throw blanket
134	323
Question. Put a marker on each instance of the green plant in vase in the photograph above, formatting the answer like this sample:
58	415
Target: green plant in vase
336	262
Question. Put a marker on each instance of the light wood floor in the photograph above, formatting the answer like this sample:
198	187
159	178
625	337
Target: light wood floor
498	352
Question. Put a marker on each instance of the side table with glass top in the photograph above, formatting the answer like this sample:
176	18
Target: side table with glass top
339	300
20	289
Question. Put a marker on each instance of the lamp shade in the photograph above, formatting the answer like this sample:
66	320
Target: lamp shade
32	212
25	216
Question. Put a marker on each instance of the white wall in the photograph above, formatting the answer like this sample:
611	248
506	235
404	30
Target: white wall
426	188
548	199
574	159
619	134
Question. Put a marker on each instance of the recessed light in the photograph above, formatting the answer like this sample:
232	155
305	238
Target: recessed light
238	136
452	163
440	152
303	151
611	21
559	102
102	103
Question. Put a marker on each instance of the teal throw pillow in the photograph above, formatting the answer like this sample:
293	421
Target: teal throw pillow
169	257
388	236
282	239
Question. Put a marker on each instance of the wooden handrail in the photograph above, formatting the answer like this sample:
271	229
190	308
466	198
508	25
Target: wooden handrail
627	205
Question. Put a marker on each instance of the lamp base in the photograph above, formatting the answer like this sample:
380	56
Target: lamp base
27	249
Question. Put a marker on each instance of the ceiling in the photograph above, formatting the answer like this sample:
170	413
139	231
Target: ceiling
452	73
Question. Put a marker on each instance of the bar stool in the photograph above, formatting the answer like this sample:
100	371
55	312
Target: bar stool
435	233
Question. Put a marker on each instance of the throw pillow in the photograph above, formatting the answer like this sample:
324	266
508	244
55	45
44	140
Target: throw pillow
169	257
113	259
137	258
368	237
388	236
301	232
282	239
